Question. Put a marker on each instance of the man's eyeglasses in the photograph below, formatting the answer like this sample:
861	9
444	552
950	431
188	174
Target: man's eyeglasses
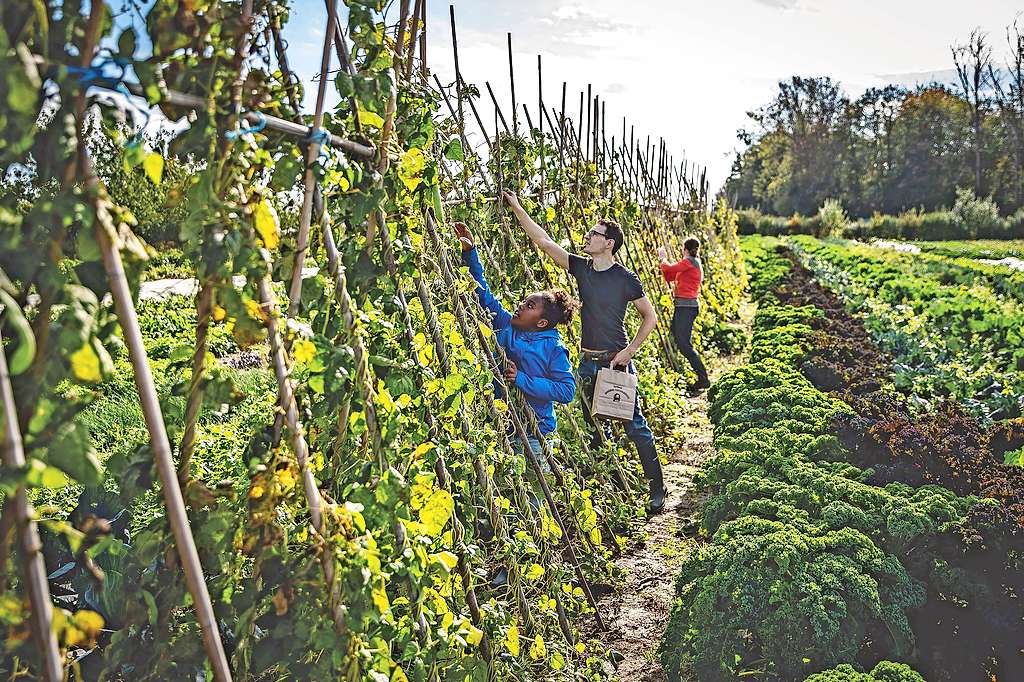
591	232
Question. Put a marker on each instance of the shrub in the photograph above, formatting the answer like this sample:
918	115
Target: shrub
976	216
1015	225
832	219
935	226
746	220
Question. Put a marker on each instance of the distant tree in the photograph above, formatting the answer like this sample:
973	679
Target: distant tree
1008	88
876	113
804	119
973	61
931	150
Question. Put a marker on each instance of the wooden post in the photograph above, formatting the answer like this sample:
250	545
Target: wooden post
30	547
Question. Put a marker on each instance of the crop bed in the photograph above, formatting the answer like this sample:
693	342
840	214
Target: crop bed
845	523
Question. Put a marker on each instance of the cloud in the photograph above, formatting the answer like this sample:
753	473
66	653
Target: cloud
779	4
580	29
912	79
615	88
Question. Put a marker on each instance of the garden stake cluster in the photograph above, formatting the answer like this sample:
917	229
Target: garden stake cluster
358	526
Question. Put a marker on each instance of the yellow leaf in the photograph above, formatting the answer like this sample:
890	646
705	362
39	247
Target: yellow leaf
255	310
380	599
286	477
500	405
256	492
90	621
303	350
537	648
399	675
512	640
85	365
436	512
267	225
153	164
422	449
549	214
83	628
368	118
218	313
534	572
410	168
581	647
485	330
472	634
446	559
595	535
280	600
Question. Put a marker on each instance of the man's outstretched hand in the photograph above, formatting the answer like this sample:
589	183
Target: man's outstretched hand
511	199
465	238
510	371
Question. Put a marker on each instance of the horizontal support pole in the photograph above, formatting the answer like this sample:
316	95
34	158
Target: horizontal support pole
181	99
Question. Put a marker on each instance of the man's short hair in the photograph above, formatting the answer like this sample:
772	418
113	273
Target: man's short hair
613	231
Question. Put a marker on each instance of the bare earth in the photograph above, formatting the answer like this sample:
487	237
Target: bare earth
637	615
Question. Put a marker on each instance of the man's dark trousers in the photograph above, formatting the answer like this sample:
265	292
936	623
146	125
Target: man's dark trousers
637	429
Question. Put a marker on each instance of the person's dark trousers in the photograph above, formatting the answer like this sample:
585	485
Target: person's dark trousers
637	430
682	331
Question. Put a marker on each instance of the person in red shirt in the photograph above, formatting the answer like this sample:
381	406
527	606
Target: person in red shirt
687	275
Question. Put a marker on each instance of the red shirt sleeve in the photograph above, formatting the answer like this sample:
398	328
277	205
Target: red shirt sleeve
670	270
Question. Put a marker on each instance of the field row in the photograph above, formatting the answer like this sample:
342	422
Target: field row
845	524
954	329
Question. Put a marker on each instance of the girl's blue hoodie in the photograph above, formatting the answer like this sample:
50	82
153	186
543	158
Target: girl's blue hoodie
544	372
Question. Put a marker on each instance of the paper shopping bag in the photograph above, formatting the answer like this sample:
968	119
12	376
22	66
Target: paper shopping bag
614	395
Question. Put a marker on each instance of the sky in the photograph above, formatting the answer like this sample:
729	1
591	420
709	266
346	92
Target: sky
685	70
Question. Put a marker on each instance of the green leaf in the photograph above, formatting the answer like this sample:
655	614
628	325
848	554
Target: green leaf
453	150
126	43
343	82
44	476
21	93
71	451
24	340
134	153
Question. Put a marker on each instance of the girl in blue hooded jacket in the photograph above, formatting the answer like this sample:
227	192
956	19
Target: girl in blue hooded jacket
538	360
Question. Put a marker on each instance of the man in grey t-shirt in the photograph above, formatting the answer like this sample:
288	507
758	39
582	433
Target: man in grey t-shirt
606	289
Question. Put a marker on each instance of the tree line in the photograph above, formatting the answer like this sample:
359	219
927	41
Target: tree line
893	149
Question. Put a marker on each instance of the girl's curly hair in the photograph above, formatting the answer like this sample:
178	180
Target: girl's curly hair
559	306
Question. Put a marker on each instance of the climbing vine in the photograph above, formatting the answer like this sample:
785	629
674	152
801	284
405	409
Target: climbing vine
340	508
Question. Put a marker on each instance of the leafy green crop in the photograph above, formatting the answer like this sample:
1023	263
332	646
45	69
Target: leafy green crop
806	559
885	671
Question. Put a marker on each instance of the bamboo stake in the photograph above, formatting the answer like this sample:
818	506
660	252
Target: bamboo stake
497	109
28	536
312	152
173	500
416	23
109	246
512	82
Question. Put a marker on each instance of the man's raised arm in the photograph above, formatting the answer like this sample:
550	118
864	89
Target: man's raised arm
536	233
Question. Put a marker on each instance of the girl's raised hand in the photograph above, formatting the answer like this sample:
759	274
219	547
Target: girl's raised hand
662	253
466	239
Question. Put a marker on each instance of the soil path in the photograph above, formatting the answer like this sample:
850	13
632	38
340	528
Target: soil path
637	614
